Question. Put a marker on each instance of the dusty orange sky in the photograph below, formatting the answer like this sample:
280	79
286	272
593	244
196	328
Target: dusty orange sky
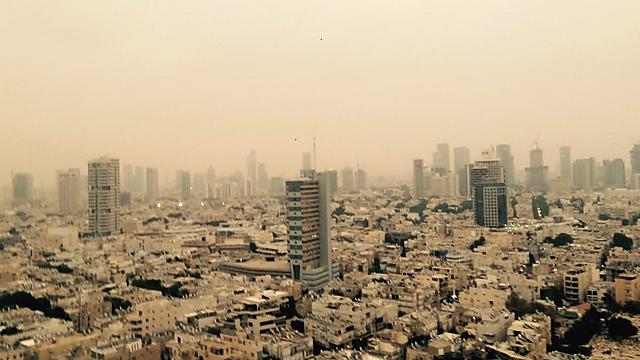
188	84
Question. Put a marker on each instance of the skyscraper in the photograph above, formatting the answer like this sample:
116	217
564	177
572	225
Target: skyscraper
565	163
536	172
263	179
306	161
614	173
347	180
211	181
152	184
309	224
183	182
490	204
252	174
22	188
127	178
332	181
503	153
441	161
69	191
635	158
104	196
486	180
361	179
138	180
199	187
461	159
584	173
418	178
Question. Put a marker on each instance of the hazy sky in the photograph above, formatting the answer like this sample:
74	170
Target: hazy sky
188	84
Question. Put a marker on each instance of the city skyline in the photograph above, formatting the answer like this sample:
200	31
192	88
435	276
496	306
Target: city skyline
168	87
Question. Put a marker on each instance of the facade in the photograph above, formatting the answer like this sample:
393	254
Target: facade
306	161
627	288
584	174
490	204
152	184
577	280
252	173
332	178
22	188
634	155
104	196
263	179
69	191
536	172
441	159
461	159
309	229
361	179
503	152
418	177
565	163
614	174
183	181
347	180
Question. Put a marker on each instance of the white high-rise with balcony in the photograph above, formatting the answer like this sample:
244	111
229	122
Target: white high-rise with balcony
104	196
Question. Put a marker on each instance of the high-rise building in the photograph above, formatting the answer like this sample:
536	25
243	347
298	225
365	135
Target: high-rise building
183	182
486	180
306	161
485	171
104	196
584	173
461	158
332	178
536	172
347	180
252	174
565	163
276	186
22	188
69	191
309	225
361	179
263	179
418	178
503	153
127	178
152	184
444	185
199	187
138	180
614	174
635	158
490	204
211	181
441	161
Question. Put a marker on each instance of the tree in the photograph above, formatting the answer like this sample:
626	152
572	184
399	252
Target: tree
477	243
560	240
540	207
620	328
623	241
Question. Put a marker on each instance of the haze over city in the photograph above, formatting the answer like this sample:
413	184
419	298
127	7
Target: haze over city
177	86
319	180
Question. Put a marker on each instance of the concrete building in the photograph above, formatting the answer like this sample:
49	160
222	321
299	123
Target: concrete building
263	179
627	288
418	178
577	280
444	185
361	179
634	156
441	159
306	161
503	153
183	183
537	171
22	189
152	184
104	196
614	173
332	181
584	174
309	224
252	173
565	163
461	158
69	191
347	180
490	204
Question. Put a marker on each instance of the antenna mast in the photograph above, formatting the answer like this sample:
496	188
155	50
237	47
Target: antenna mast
315	162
